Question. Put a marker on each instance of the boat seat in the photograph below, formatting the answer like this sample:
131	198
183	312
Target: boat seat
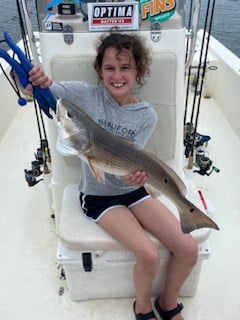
160	89
93	259
78	232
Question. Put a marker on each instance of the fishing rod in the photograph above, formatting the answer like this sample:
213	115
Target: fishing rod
188	63
202	82
31	37
189	69
189	28
192	33
190	139
189	127
42	154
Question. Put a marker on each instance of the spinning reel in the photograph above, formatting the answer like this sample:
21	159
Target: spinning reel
205	164
39	165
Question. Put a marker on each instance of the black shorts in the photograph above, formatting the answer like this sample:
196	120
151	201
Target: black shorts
95	206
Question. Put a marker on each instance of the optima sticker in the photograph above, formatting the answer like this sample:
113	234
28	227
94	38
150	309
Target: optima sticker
157	10
107	15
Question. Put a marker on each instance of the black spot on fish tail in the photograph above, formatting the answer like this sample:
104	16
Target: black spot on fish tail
165	180
193	218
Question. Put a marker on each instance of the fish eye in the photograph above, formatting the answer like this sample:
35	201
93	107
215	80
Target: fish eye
69	114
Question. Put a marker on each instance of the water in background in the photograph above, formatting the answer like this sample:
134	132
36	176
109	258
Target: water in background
225	28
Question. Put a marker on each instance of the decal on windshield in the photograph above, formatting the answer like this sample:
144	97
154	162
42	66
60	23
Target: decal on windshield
157	10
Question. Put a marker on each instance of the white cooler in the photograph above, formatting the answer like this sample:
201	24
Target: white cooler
97	266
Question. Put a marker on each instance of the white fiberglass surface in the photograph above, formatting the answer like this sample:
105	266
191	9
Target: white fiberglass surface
30	278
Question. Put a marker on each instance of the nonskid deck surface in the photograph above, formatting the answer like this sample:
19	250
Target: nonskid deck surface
30	278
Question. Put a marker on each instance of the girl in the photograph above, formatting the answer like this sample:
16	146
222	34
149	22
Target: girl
122	206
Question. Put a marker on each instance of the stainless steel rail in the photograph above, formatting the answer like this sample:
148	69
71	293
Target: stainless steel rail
192	33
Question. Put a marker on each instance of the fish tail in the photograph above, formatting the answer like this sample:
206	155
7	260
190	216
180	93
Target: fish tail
193	218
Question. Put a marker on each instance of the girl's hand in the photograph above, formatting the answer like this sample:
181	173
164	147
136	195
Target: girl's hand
137	178
37	77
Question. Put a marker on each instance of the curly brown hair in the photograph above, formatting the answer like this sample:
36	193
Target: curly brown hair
121	42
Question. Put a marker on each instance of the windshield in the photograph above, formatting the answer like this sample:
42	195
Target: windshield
93	15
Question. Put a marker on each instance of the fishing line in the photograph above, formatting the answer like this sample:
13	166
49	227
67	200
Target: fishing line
15	88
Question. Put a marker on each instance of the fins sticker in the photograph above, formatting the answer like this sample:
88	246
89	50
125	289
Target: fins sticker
157	10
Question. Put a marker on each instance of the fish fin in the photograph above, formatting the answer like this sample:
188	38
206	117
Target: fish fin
99	175
195	219
155	193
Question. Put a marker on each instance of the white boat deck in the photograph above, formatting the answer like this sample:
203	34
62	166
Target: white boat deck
30	277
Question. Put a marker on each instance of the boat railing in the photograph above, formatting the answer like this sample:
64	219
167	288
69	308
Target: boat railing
192	33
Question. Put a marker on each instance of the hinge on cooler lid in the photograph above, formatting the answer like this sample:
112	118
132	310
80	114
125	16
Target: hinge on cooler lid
87	261
155	31
68	34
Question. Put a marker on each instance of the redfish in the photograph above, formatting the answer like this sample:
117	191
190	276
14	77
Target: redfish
106	152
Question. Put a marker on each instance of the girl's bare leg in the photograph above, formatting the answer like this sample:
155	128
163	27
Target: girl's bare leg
127	227
123	226
163	225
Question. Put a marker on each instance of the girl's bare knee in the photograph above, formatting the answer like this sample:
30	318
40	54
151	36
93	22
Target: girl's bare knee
149	259
190	254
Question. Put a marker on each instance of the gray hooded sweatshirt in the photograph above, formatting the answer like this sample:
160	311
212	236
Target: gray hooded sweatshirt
134	121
